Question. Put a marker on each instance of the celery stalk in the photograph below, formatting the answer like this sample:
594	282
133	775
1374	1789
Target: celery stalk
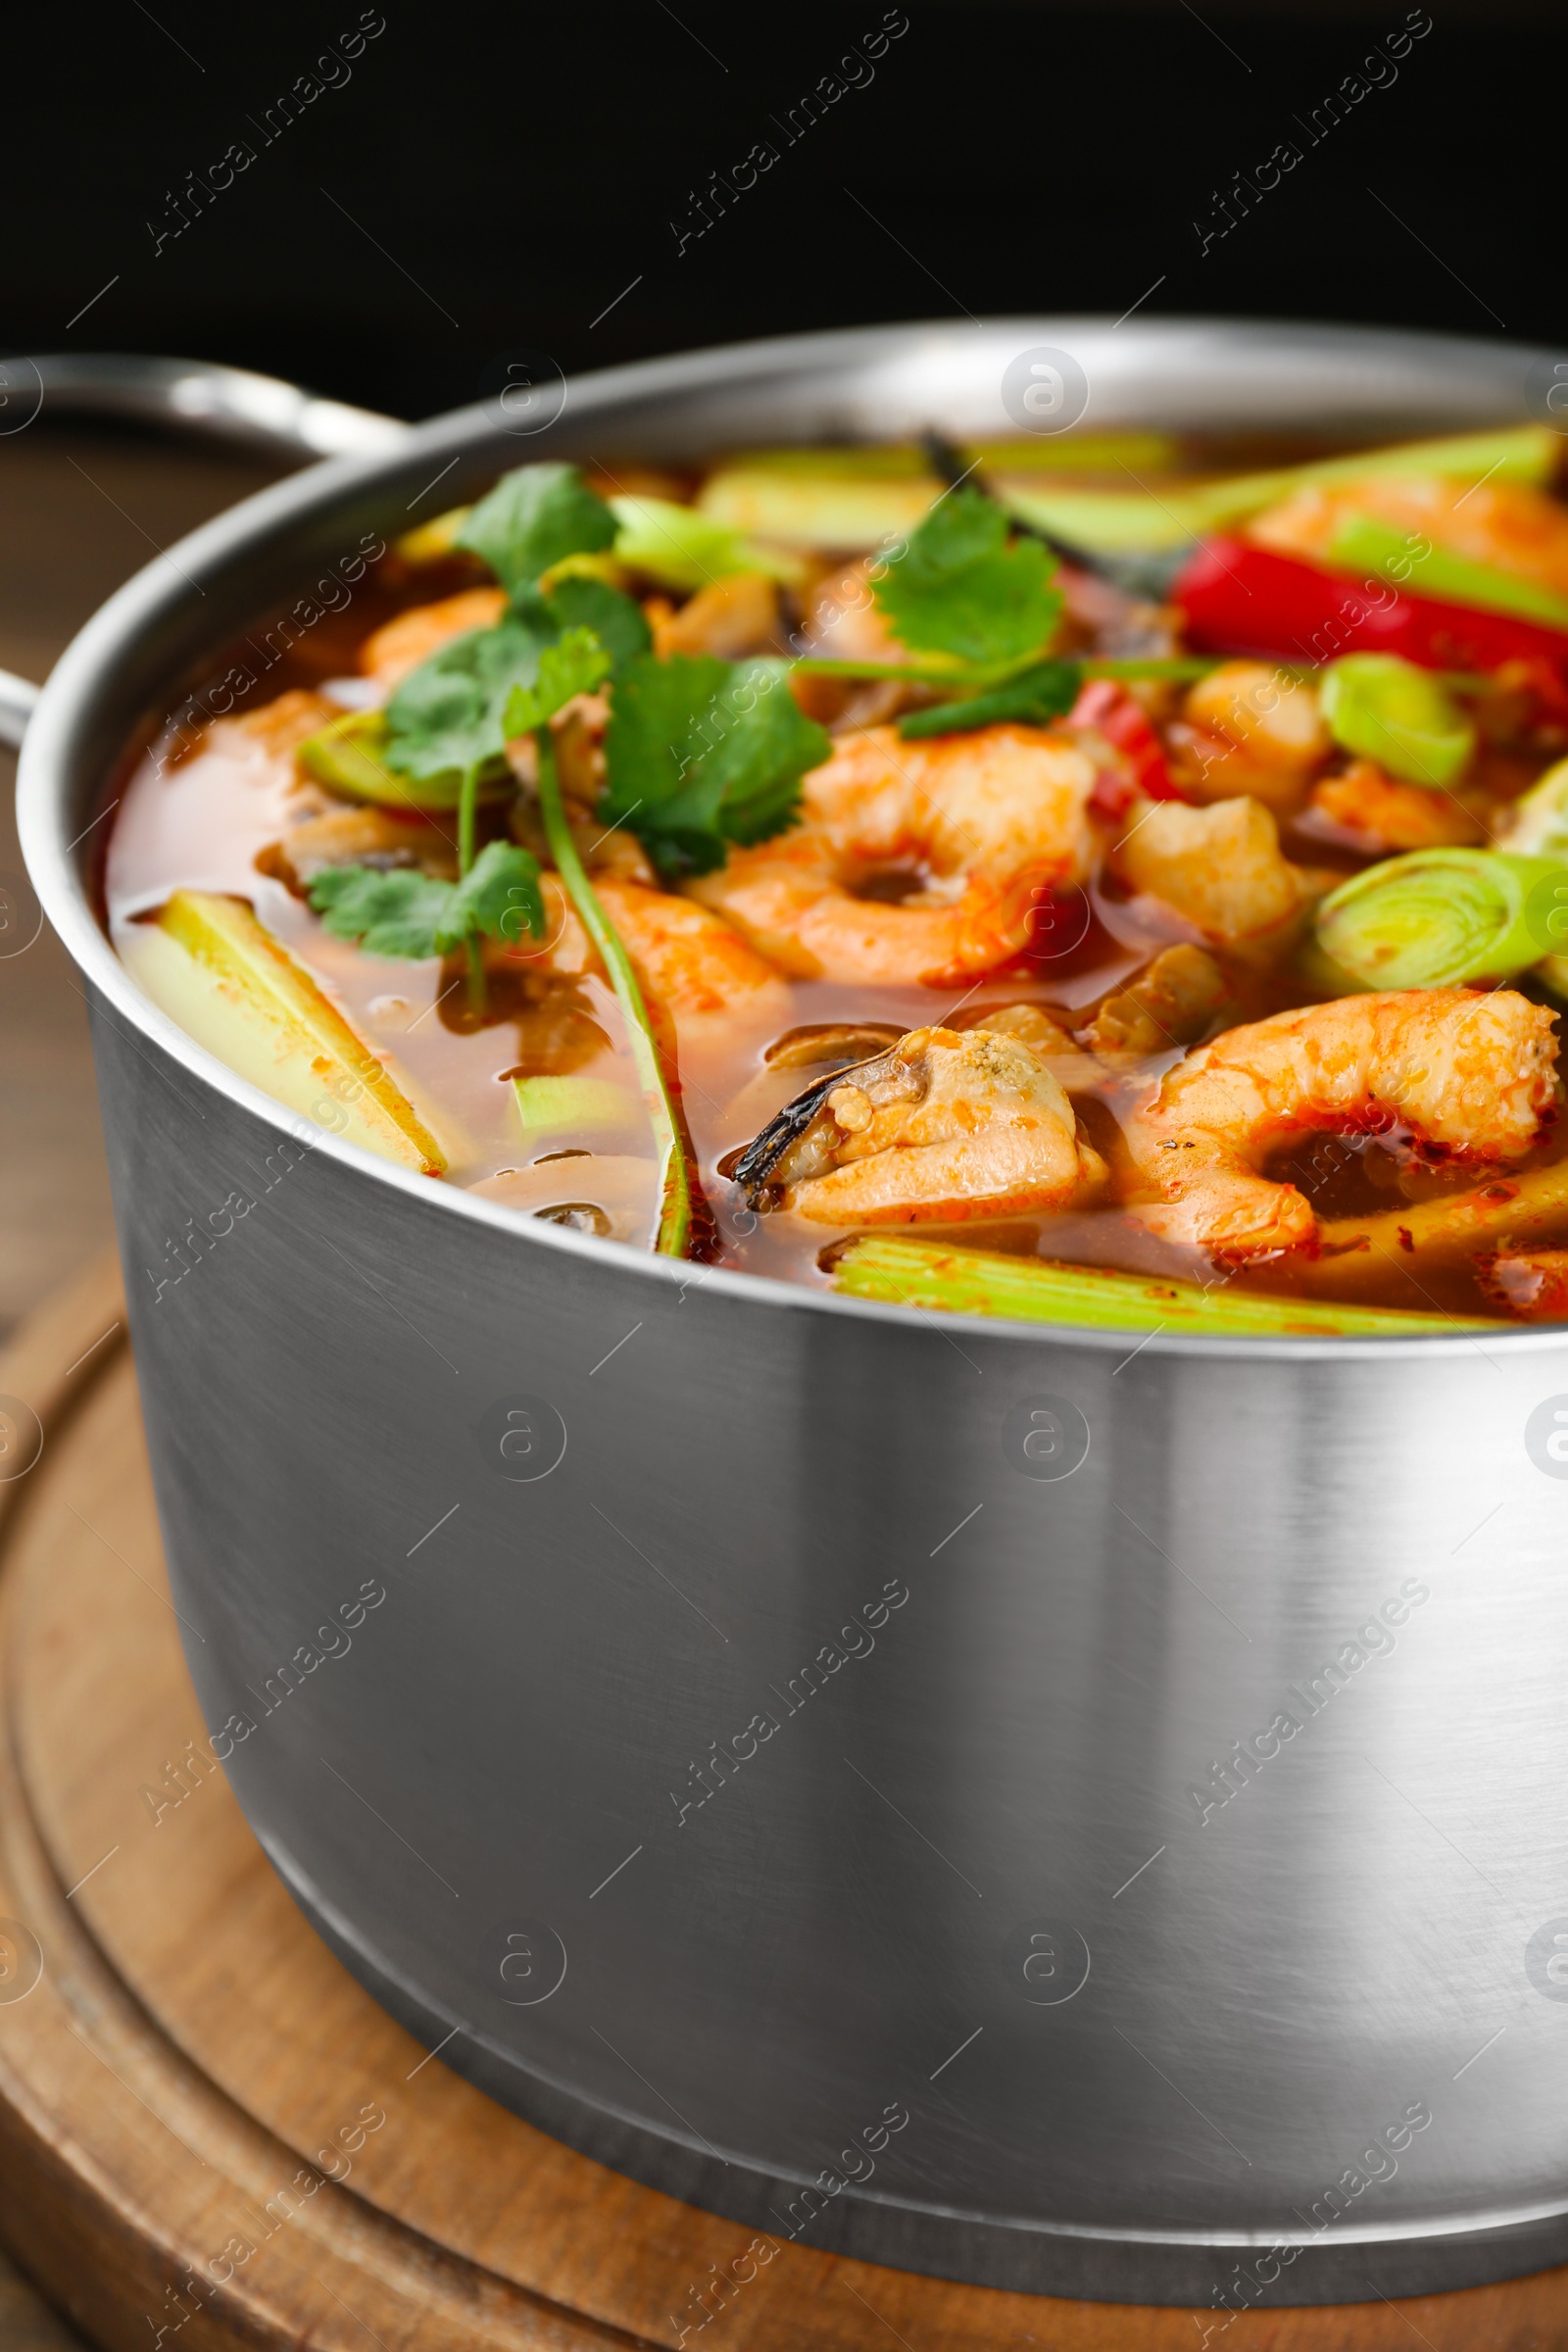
900	1272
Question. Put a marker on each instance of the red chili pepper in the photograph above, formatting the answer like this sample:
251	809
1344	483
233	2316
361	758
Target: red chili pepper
1107	706
1240	599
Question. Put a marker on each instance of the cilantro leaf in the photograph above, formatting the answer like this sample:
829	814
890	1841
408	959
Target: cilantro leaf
1036	696
447	713
615	620
701	752
575	665
498	895
957	587
534	517
404	914
393	912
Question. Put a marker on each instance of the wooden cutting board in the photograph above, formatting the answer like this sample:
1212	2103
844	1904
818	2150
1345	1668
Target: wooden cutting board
182	2064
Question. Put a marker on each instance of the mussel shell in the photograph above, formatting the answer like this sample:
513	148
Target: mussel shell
828	1041
763	1153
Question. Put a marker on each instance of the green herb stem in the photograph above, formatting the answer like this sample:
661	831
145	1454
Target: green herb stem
675	1182
974	678
1178	669
467	818
909	673
468	825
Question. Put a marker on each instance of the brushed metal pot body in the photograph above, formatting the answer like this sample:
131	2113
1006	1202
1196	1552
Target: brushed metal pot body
1011	1803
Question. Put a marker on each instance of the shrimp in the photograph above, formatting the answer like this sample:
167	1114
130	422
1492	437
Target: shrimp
390	652
843	623
946	1124
695	967
984	825
363	836
1533	1287
1248	728
1221	867
1378	813
733	616
1466	1077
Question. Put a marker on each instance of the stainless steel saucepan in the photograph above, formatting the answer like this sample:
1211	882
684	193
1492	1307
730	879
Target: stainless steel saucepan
1006	1802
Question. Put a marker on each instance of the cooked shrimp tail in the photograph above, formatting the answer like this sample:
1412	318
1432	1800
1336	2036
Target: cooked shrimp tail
1465	1077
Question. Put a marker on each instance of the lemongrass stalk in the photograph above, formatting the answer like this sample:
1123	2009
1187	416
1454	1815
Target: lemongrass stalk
675	1181
1030	1290
1358	1254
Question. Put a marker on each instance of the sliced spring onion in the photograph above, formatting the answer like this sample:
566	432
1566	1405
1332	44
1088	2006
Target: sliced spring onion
346	756
1436	918
1404	717
1030	1290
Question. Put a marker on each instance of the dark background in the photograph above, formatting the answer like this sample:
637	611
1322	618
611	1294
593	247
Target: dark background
511	170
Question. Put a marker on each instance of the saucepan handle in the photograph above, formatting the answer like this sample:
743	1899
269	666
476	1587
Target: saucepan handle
194	396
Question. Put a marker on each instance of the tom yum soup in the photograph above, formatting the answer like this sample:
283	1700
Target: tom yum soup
947	876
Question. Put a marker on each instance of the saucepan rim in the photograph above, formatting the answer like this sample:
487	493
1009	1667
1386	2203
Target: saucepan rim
59	740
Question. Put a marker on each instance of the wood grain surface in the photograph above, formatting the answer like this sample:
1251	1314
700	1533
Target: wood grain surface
205	2125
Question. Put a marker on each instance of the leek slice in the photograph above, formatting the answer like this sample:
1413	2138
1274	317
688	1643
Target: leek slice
1031	1289
1404	717
1436	918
